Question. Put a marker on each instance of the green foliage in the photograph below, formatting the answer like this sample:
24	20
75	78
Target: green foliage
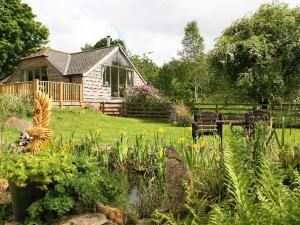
147	67
103	43
20	34
14	106
88	184
184	79
46	168
174	83
260	53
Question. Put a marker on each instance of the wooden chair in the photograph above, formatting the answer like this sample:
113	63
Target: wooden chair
207	123
250	120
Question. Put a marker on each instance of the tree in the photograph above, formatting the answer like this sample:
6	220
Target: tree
147	68
260	53
103	43
193	56
173	81
20	34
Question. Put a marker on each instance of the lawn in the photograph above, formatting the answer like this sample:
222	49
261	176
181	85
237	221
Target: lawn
76	123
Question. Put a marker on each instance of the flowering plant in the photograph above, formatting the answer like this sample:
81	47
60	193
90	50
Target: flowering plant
144	94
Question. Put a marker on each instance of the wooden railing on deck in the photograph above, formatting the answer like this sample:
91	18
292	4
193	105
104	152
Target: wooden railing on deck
60	92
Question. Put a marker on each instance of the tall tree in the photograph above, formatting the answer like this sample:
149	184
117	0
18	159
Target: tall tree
260	53
20	34
103	43
173	81
193	56
146	66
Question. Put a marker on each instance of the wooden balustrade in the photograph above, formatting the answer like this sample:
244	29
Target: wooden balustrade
60	92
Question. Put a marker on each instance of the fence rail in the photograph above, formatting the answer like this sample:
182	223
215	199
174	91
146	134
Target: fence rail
233	111
60	92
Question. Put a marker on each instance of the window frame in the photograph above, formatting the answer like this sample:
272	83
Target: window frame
42	72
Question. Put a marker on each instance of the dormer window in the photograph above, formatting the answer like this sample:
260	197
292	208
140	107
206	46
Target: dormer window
34	73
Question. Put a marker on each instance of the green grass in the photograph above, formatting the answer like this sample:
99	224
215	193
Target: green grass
80	122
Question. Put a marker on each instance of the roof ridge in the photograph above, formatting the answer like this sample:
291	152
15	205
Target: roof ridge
51	49
95	49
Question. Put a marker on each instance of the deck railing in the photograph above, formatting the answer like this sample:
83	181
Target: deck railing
61	93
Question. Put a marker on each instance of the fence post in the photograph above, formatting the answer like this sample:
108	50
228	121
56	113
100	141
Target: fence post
36	87
123	109
81	95
61	94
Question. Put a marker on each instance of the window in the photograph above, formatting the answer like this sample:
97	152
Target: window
34	73
117	78
106	75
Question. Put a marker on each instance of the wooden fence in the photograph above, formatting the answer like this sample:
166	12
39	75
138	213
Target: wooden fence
134	109
234	111
62	94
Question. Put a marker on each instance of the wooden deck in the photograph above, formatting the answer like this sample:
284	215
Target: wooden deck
62	94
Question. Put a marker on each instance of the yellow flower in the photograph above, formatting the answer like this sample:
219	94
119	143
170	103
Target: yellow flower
203	144
21	184
123	133
98	131
189	129
161	153
161	130
144	132
194	146
180	140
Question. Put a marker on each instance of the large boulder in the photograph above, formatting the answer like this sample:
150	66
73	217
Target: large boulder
177	174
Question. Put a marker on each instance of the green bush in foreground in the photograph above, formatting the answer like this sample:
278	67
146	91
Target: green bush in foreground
11	105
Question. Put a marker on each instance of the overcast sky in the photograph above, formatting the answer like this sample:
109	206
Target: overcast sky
145	25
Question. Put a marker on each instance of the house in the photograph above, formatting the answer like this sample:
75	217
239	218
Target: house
104	73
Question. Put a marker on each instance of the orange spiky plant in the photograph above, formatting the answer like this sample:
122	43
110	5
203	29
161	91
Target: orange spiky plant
42	115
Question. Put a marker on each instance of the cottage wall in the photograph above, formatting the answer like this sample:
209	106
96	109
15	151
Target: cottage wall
137	79
93	89
76	79
53	73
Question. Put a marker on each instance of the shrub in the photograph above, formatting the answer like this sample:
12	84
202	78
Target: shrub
144	94
180	115
11	105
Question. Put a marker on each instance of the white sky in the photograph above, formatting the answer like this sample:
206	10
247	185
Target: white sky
145	25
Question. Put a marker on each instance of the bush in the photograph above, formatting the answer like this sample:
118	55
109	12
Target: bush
180	115
144	94
11	105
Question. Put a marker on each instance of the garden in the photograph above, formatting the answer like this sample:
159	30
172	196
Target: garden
78	166
147	171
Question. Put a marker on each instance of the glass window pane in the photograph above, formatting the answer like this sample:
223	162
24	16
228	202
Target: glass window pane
129	77
37	74
30	75
122	81
106	76
44	74
118	59
114	82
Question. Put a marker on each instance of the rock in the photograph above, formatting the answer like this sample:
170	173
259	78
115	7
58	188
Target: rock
143	222
19	124
85	219
12	223
176	174
116	215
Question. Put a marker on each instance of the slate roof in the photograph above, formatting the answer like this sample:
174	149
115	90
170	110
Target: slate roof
82	61
74	63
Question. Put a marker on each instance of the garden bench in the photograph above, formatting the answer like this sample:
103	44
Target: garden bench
207	123
250	120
